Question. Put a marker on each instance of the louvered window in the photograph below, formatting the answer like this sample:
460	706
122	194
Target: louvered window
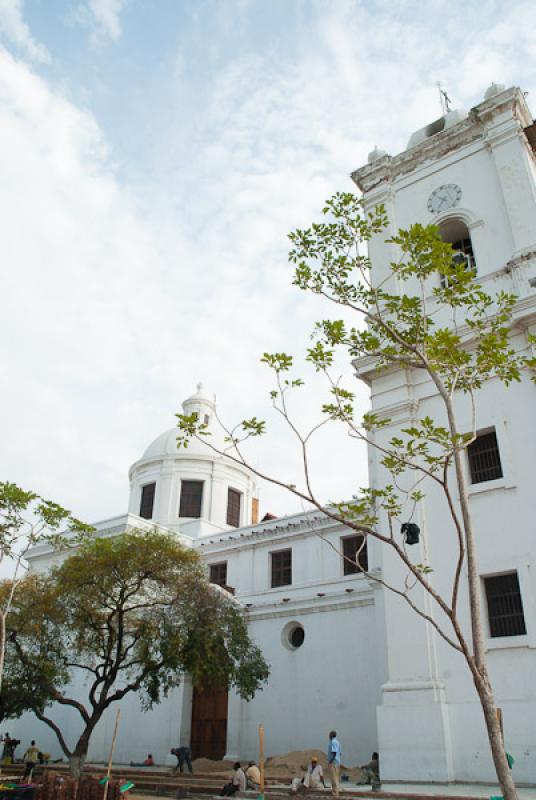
233	507
147	500
191	498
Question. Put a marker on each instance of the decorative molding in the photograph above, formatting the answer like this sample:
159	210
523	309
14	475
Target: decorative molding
304	607
397	413
469	130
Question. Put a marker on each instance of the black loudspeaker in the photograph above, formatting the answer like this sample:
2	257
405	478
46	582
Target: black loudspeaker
411	532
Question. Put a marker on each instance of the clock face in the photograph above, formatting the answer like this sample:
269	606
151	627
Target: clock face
444	197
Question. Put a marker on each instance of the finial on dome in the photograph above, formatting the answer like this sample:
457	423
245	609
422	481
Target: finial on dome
199	398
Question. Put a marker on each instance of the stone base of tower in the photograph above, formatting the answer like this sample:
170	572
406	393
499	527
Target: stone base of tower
414	733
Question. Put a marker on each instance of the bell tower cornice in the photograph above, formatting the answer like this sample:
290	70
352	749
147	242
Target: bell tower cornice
483	122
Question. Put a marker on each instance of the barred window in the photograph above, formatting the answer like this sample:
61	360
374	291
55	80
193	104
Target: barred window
281	568
351	545
147	500
484	458
505	607
233	507
191	497
218	573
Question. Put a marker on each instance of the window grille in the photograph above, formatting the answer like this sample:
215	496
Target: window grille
218	573
281	568
147	500
505	607
191	497
350	547
233	507
484	458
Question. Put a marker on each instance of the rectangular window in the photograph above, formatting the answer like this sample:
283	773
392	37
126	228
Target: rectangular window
191	497
218	573
484	458
147	500
505	609
351	545
281	568
233	507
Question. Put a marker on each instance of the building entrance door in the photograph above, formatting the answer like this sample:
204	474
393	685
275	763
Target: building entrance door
209	723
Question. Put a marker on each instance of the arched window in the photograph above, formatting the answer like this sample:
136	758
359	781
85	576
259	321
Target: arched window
456	232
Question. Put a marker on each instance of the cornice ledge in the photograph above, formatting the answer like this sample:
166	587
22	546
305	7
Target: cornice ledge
520	259
465	132
303	607
403	411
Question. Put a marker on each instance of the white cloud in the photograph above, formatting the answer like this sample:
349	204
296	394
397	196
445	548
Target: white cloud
16	31
119	299
104	17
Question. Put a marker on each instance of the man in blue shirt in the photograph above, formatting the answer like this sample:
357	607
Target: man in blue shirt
334	763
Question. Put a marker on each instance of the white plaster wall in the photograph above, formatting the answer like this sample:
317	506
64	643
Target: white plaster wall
157	731
330	682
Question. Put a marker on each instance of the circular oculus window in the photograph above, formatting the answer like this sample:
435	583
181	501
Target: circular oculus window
293	635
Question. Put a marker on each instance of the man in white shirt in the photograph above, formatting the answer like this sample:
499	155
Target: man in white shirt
313	777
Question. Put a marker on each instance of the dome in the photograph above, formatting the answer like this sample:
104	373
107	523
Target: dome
192	490
166	444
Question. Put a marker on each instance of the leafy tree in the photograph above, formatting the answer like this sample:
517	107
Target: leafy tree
26	518
459	341
131	613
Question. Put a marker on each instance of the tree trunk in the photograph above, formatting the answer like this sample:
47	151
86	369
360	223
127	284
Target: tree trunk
76	764
495	736
480	675
2	644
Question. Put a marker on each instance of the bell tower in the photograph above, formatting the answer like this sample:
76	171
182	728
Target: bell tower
474	176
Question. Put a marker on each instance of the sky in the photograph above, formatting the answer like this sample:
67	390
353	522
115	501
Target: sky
154	155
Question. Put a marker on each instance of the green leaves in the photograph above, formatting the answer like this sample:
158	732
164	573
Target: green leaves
132	611
279	362
26	518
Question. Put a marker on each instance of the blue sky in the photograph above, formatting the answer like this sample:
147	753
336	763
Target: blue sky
153	156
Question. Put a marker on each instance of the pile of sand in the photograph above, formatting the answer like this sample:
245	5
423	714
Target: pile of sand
290	764
294	763
207	765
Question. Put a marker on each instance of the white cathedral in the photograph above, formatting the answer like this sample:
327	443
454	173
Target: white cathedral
345	653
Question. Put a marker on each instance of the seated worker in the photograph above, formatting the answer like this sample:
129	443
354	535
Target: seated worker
372	770
184	756
313	777
253	776
238	782
149	762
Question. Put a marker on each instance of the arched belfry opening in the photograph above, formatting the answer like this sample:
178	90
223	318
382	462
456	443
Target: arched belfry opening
456	232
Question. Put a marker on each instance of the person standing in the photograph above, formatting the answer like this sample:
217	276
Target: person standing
6	753
334	763
30	758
